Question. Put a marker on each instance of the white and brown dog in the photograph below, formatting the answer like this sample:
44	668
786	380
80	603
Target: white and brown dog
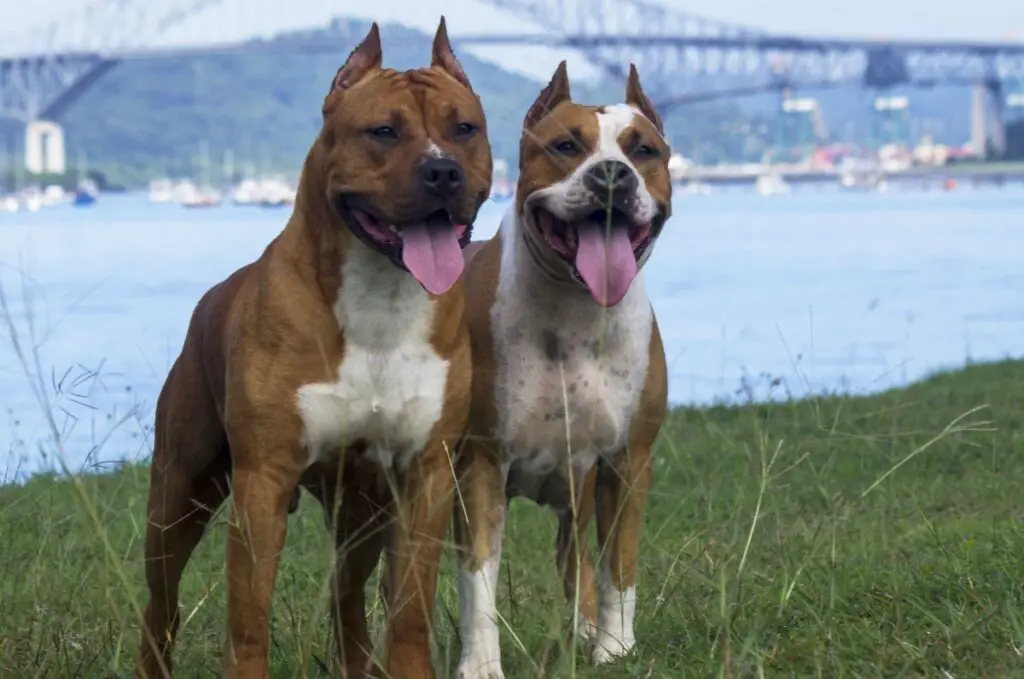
570	386
338	360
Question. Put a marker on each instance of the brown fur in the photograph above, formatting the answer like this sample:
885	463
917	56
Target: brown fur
615	490
226	418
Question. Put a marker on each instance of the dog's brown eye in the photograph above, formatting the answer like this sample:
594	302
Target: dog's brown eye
384	132
645	151
566	147
465	129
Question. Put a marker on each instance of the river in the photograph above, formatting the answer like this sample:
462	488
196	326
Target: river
757	297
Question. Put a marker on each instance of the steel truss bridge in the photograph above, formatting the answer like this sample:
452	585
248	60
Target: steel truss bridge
683	58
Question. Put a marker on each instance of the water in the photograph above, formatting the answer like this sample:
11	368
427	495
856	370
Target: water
807	292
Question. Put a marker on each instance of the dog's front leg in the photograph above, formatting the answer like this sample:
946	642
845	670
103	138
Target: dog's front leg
480	507
575	562
622	485
423	507
261	493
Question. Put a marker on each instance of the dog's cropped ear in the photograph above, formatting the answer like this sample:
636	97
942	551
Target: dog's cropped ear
367	56
444	57
551	96
635	97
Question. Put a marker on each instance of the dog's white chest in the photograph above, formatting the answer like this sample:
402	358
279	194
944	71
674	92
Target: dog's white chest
391	382
569	377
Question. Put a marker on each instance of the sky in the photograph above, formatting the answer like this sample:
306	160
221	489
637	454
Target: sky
231	20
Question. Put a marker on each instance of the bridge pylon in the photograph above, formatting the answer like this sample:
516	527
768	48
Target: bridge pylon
44	148
59	61
988	117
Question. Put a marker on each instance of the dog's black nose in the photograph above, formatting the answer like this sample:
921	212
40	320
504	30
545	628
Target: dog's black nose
442	177
611	179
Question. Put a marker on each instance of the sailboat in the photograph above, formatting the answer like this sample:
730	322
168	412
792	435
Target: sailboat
8	203
770	182
501	187
87	191
203	196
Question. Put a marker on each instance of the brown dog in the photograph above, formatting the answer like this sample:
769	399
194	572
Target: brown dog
570	385
338	360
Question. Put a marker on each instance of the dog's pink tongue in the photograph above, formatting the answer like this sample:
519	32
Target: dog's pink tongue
432	255
606	263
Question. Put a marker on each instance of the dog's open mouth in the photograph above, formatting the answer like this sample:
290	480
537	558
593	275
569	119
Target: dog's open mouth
430	248
602	248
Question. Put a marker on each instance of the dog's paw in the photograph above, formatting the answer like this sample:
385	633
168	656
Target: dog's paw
608	648
586	631
473	667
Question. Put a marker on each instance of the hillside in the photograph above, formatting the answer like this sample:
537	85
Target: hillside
148	118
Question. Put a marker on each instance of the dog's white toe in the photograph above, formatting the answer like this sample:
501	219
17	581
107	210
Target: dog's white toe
480	668
586	631
608	648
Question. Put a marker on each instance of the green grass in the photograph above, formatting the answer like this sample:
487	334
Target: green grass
830	537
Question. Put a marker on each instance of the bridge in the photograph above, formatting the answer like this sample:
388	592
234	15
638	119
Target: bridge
684	58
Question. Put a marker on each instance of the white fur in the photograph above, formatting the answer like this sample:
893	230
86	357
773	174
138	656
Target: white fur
478	622
580	406
391	382
597	391
434	150
615	614
557	415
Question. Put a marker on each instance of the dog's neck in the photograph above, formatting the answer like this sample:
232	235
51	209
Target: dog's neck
318	219
529	273
318	236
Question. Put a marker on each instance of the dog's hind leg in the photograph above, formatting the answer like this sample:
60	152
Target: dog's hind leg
189	479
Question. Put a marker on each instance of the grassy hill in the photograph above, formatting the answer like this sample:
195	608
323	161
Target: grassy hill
837	537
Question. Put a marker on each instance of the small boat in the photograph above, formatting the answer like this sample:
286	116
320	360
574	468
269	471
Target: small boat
161	191
501	191
202	195
694	187
246	193
275	193
852	180
266	192
501	187
54	195
86	193
192	196
202	199
202	202
31	199
9	204
772	184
